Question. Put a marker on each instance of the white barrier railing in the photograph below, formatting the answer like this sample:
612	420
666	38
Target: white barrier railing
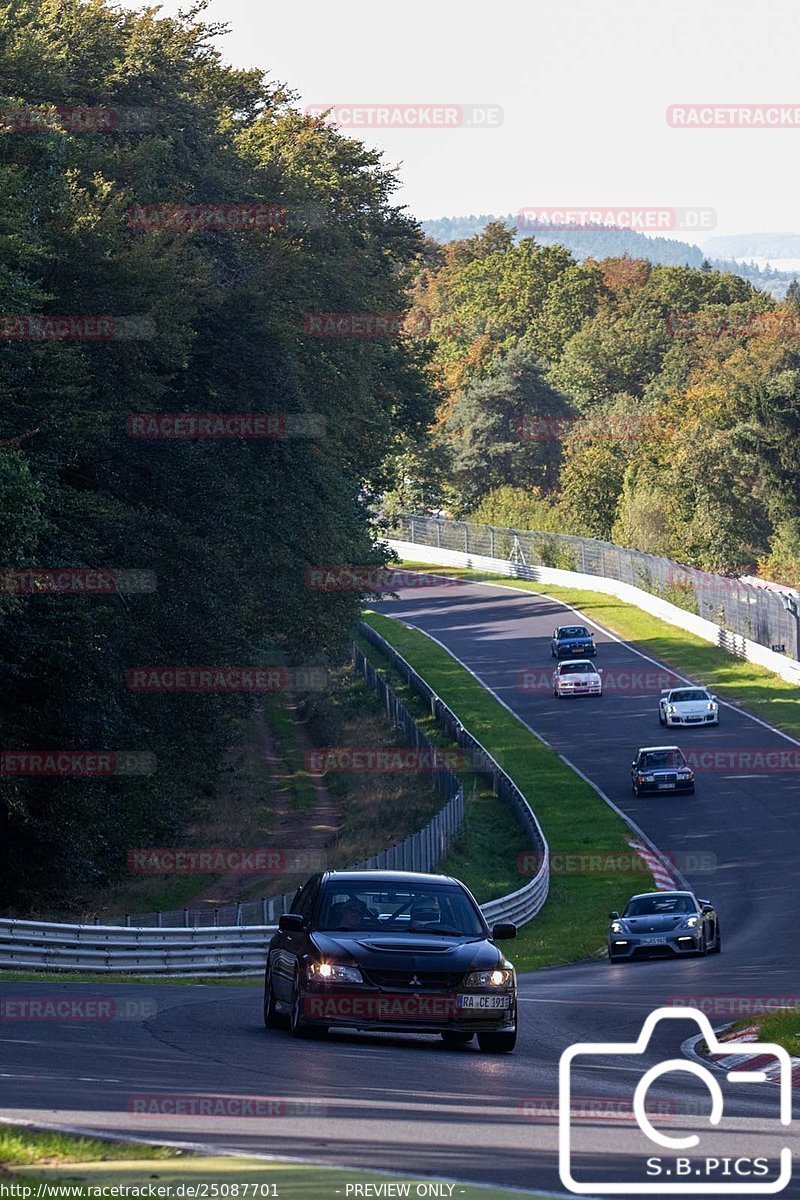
734	643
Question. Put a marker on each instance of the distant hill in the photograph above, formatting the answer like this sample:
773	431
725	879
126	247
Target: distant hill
754	245
610	243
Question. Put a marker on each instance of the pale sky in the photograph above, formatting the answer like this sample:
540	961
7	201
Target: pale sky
584	86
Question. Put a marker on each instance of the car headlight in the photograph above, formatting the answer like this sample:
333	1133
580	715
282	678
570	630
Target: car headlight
690	922
333	973
617	927
671	708
685	774
495	978
711	706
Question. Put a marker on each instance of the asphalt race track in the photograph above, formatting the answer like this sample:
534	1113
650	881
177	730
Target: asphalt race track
409	1104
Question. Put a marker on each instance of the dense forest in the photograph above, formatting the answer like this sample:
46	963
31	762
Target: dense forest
615	243
655	406
205	319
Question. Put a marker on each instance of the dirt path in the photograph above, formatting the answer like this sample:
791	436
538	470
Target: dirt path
312	831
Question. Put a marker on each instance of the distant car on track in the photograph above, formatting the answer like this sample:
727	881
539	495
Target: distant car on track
572	640
688	706
661	769
578	677
392	951
655	923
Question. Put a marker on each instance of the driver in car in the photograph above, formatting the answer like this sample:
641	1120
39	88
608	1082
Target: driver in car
353	914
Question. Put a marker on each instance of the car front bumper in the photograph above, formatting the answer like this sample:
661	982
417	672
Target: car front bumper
654	789
576	651
409	1012
711	718
592	689
677	944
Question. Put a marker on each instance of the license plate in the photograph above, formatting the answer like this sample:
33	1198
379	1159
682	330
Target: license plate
665	787
484	1001
655	941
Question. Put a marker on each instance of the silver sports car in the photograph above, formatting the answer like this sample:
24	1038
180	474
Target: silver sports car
656	923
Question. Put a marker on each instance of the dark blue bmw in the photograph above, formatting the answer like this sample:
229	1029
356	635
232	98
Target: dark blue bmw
391	951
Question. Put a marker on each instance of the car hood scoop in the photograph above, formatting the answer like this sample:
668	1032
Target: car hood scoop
655	924
402	945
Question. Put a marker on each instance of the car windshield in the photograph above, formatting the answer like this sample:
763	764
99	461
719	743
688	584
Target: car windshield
390	908
687	694
576	668
572	631
653	759
651	906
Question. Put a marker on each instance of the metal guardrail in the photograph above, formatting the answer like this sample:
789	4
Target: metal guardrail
764	615
240	949
522	905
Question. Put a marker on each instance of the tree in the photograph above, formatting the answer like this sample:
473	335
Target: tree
505	429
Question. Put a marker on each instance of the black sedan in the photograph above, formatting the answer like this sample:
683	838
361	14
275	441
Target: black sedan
391	950
656	923
661	769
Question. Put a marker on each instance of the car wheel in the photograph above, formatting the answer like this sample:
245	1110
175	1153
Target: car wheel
661	720
297	1025
498	1042
456	1037
691	790
614	958
635	790
272	1018
703	951
717	947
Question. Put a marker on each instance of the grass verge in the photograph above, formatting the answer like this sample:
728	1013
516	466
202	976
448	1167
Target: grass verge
741	683
781	1027
574	921
54	1160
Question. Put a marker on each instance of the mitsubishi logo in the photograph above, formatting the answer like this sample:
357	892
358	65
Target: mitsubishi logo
415	981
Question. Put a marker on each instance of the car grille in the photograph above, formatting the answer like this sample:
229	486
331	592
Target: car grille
667	778
401	980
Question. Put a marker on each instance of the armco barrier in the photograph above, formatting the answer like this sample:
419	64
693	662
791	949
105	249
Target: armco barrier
522	905
424	548
180	951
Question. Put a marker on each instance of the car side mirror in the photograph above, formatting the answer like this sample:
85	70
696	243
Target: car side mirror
613	916
503	931
291	923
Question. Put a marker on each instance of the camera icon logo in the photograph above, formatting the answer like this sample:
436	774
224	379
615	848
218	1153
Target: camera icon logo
675	1171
